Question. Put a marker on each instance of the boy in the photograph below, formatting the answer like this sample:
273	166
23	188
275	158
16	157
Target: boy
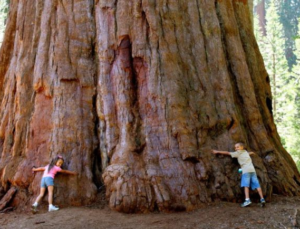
249	178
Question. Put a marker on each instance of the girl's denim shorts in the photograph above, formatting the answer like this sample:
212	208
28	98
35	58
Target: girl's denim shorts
47	181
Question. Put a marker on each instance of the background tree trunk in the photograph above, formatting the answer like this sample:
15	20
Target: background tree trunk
139	92
260	9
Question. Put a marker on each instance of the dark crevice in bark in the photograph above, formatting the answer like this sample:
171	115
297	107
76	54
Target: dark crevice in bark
69	80
96	155
268	79
96	168
194	160
269	105
115	16
137	65
2	192
6	184
231	124
297	181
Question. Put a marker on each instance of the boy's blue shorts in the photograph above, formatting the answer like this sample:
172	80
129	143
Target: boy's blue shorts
47	181
250	180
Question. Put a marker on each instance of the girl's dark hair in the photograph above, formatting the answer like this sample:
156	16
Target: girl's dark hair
53	162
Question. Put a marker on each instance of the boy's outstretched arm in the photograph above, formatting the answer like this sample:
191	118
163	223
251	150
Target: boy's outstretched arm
251	153
68	172
220	152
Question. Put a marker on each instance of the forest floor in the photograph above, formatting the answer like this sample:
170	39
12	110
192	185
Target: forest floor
279	213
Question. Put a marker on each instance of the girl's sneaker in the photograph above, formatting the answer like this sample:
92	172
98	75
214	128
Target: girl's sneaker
246	203
34	208
52	208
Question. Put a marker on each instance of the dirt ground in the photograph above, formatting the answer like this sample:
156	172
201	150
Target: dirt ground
279	213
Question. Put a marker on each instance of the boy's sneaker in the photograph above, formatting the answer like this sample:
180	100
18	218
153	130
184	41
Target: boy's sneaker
52	208
262	202
246	203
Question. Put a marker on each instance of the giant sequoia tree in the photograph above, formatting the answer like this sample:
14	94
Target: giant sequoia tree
135	94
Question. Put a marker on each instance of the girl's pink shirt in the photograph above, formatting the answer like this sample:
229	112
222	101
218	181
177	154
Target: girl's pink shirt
52	172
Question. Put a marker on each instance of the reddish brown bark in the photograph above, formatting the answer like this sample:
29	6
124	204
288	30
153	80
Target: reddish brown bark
138	93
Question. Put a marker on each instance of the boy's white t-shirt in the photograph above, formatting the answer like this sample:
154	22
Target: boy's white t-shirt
244	160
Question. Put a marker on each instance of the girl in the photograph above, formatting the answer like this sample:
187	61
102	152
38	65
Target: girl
48	181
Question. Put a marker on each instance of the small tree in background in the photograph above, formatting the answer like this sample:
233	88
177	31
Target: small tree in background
296	67
289	12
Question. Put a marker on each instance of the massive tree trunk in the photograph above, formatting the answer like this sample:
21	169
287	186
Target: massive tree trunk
251	7
137	93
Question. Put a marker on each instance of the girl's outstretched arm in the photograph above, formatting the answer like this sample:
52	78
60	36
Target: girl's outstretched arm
39	169
68	172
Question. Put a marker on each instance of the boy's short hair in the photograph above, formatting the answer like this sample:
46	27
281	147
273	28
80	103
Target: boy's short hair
241	144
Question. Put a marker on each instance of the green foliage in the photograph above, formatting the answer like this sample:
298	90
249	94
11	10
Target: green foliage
289	12
4	7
